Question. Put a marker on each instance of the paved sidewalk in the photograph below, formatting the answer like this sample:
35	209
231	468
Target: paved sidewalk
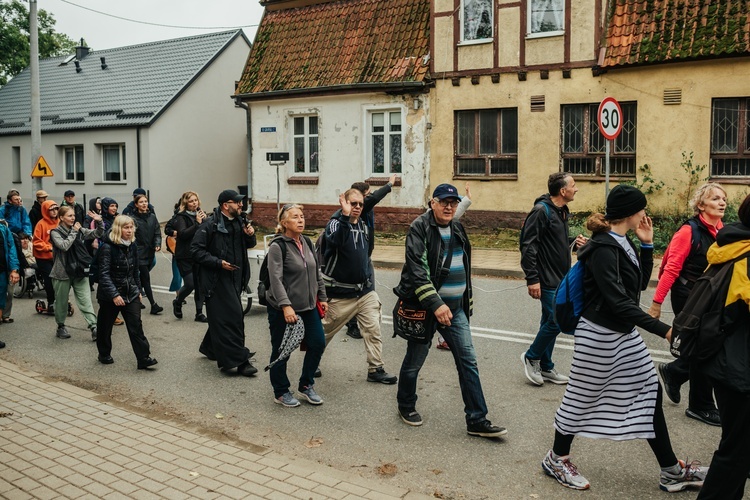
58	441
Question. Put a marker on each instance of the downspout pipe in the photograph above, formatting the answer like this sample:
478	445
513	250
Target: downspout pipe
138	154
248	127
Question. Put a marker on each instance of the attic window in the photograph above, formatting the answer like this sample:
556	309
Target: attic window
537	103
68	59
672	96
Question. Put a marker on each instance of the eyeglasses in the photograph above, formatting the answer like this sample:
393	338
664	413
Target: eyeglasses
357	204
448	203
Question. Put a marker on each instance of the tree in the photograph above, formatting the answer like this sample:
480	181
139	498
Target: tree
15	38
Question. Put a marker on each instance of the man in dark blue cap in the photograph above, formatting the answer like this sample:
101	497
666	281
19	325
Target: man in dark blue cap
70	201
437	274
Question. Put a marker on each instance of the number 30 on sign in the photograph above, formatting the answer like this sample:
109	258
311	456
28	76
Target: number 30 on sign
610	118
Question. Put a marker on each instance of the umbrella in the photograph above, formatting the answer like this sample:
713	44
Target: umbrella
293	336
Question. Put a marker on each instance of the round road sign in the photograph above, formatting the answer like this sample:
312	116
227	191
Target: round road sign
610	118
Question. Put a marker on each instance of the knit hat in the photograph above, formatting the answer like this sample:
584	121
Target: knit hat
138	191
624	201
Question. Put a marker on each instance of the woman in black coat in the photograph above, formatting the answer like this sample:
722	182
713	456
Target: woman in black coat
120	291
148	240
185	224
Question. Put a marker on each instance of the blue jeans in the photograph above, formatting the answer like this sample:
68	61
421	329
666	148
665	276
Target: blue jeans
314	339
458	337
544	342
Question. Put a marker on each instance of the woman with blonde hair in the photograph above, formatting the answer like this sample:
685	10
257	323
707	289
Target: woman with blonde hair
296	285
186	223
120	291
683	263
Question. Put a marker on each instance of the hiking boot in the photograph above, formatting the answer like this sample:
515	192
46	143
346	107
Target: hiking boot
93	333
379	375
311	396
564	472
710	417
485	429
156	309
177	309
532	369
554	377
62	332
287	400
146	363
671	389
410	416
691	475
353	331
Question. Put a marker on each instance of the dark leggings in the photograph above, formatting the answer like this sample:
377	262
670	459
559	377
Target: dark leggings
44	267
188	286
660	445
146	282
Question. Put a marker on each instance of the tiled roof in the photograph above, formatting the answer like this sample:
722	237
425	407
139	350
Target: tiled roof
654	31
140	81
347	42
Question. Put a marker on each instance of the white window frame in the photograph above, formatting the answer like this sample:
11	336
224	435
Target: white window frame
77	169
462	17
386	134
307	143
122	166
530	20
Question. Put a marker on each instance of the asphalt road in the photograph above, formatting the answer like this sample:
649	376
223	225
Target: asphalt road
358	424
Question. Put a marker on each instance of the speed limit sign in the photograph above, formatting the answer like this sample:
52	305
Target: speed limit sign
610	118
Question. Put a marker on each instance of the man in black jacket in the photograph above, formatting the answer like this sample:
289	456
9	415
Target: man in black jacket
70	201
545	259
350	285
35	214
437	273
219	249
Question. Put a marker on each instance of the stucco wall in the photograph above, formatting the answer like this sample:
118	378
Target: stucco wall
663	131
343	147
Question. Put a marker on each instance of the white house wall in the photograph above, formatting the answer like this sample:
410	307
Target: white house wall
343	147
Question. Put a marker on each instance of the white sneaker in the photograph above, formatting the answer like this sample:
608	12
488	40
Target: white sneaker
564	472
532	369
692	475
554	377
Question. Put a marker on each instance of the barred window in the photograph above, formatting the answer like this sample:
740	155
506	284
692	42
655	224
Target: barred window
730	137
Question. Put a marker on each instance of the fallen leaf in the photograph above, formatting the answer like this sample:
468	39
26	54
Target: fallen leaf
219	415
387	469
6	414
436	471
534	495
437	494
194	474
314	442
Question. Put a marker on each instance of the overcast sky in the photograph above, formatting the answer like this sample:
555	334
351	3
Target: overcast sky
101	31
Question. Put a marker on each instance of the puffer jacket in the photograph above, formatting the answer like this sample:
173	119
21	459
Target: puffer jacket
424	262
147	236
731	365
186	225
118	272
41	241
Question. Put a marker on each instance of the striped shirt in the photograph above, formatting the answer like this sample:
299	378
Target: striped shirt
452	289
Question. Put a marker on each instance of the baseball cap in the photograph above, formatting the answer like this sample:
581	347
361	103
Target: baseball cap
230	195
444	191
69	192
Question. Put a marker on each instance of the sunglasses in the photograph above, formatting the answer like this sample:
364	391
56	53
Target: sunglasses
357	204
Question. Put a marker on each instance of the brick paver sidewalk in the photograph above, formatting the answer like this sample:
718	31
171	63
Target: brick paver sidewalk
59	441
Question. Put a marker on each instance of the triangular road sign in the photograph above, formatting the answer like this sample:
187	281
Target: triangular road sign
42	168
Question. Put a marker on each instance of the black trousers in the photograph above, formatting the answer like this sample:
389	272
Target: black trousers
45	267
146	282
730	466
105	320
225	338
701	389
188	285
660	444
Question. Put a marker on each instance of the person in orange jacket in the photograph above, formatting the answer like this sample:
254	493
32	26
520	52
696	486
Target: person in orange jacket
43	248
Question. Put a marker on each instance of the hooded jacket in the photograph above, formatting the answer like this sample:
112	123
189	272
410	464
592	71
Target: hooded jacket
106	216
41	241
545	246
348	263
147	236
731	365
613	285
16	217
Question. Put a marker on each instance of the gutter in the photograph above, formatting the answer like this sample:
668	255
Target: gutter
350	87
138	154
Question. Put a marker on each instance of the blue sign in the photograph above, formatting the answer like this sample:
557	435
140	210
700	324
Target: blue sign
268	129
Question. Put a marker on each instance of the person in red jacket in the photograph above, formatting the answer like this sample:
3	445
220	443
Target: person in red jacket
683	263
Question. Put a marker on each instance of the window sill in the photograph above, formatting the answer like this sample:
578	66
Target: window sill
71	182
467	43
729	180
300	180
602	178
110	183
547	34
483	178
382	181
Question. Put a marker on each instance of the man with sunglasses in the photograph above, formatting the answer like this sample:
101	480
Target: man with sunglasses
437	273
350	284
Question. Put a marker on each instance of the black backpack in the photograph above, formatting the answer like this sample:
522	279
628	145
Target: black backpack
264	279
698	330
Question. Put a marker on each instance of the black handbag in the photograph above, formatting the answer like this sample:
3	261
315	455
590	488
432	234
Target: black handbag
77	259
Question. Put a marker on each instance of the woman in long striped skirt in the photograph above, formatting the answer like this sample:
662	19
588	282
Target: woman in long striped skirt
613	392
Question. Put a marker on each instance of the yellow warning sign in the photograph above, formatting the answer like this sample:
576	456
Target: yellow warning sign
42	168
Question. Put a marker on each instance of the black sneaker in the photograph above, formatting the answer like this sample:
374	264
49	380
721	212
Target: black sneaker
379	375
671	389
62	332
485	429
2	344
143	306
410	416
353	332
318	373
177	309
201	318
156	309
710	417
247	369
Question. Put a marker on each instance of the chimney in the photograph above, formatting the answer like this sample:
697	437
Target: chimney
82	51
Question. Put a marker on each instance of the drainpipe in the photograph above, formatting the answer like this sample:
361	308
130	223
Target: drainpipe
138	154
248	122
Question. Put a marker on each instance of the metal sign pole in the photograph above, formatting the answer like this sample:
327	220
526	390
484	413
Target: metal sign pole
606	174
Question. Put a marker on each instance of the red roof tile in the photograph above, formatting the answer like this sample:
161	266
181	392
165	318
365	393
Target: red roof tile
654	31
347	42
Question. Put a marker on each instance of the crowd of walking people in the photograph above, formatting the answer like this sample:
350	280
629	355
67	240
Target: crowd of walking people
314	289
